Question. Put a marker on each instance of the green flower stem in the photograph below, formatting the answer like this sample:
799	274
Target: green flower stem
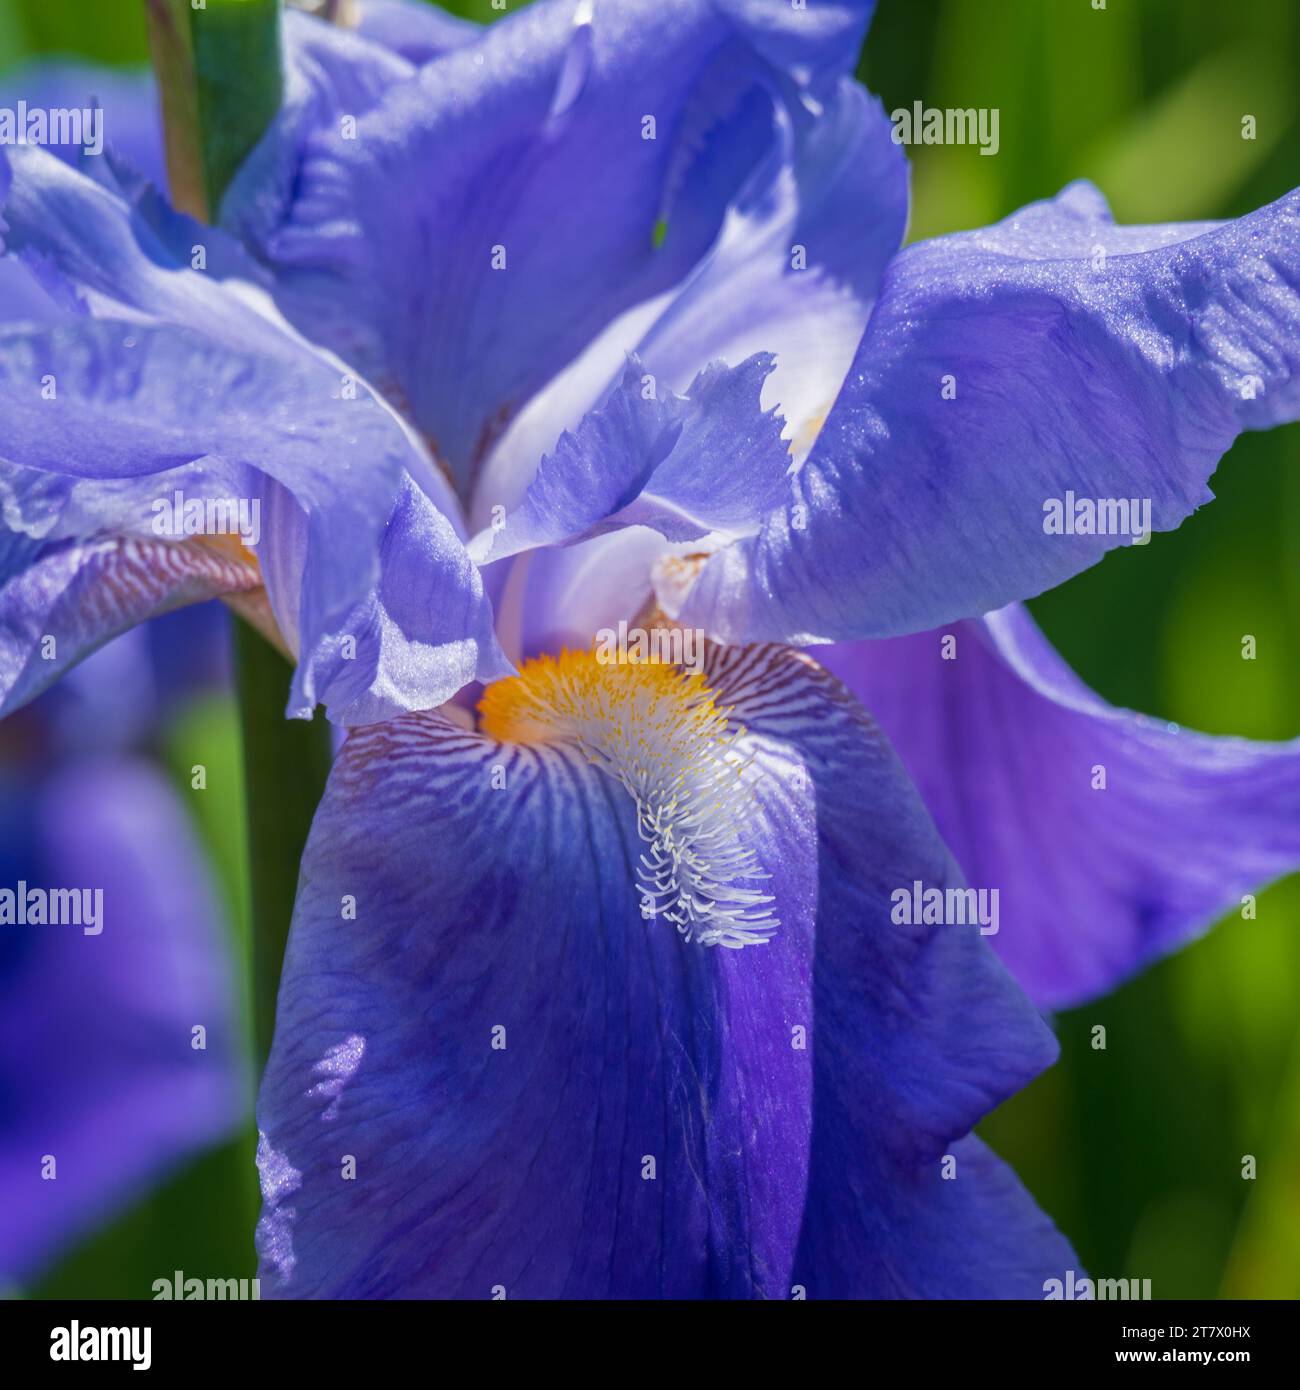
219	71
286	762
239	80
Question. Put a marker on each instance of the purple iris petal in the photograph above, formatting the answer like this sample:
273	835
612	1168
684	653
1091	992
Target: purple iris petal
562	596
415	30
110	246
208	385
404	1154
22	299
136	402
685	466
1000	371
835	188
69	598
435	249
424	632
800	260
131	119
131	127
793	274
330	74
98	1067
819	42
1004	743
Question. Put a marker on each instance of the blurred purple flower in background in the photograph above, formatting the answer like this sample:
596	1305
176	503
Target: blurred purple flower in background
102	1089
104	1086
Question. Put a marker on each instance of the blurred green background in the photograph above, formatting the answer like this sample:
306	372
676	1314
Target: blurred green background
1136	1151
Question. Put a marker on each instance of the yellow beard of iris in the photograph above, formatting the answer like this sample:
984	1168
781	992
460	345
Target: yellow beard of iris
658	732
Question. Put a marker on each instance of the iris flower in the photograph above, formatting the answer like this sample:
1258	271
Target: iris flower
595	985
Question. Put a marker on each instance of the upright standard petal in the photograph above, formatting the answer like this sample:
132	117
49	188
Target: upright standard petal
818	42
414	29
799	261
498	1067
1004	374
793	274
107	1080
331	76
1112	838
506	204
